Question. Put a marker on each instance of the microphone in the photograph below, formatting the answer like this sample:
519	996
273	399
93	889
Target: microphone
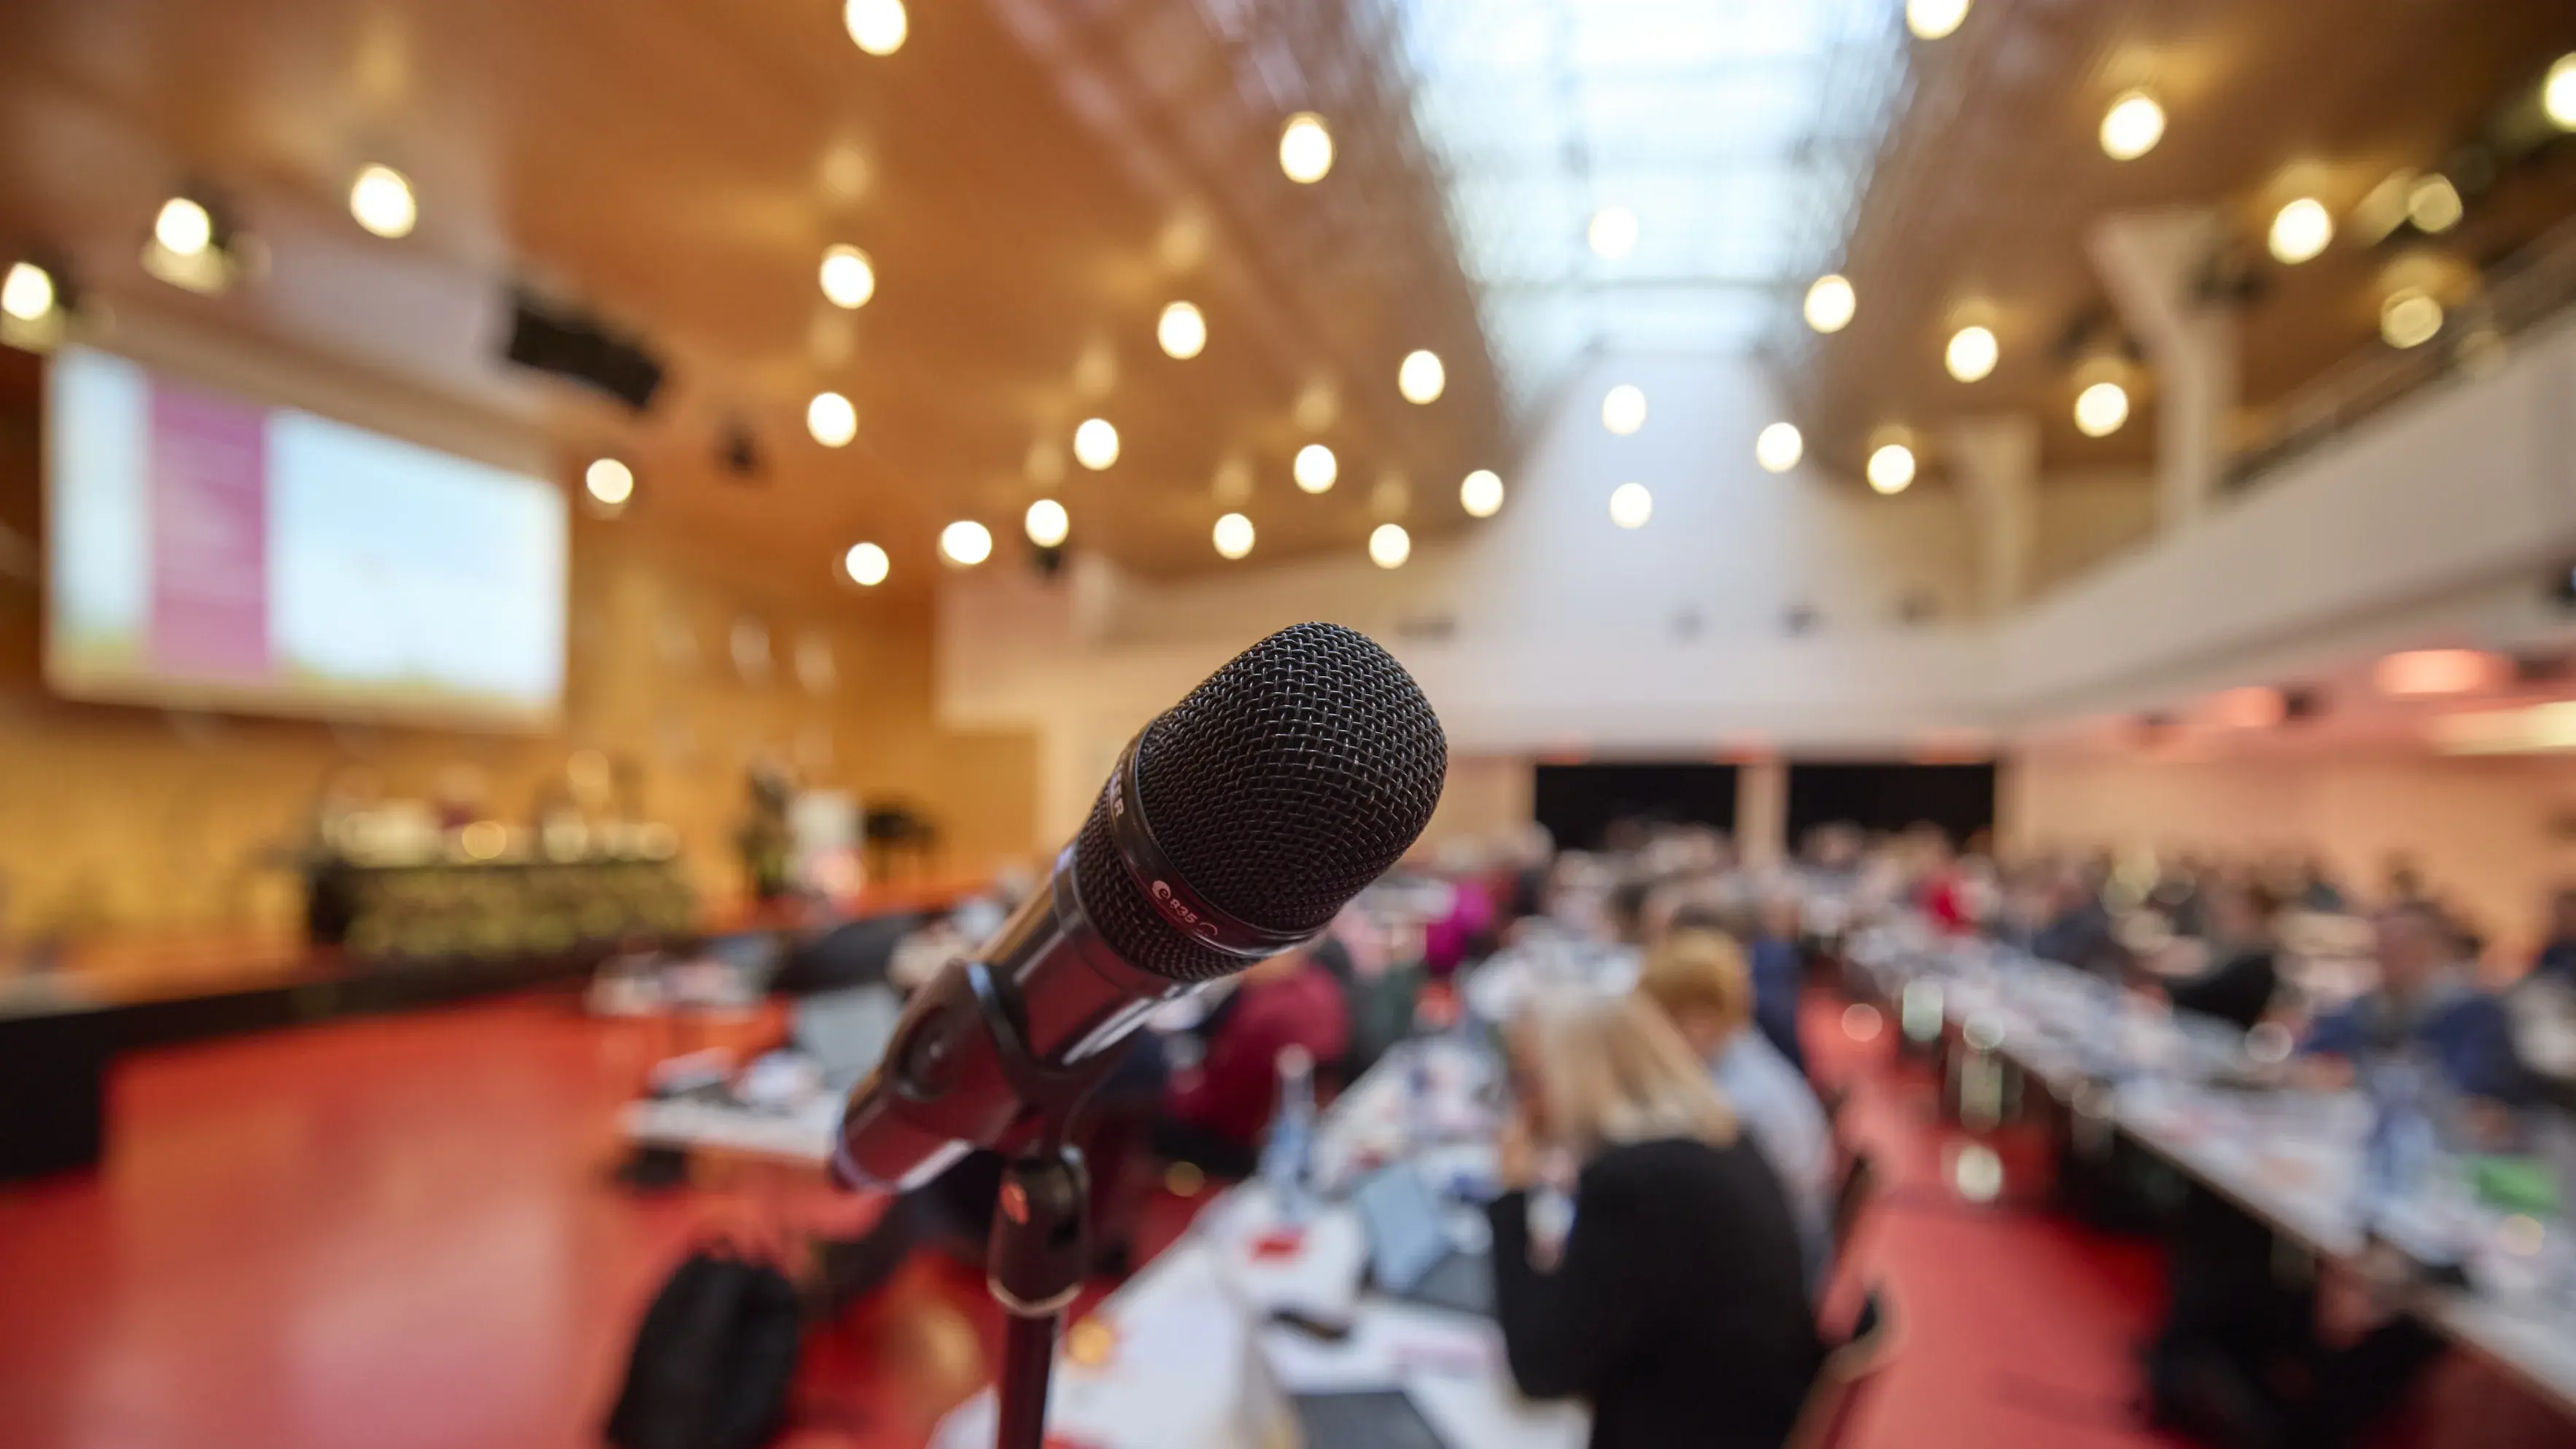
1234	827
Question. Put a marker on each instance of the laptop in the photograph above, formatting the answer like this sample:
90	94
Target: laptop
1367	1419
1411	1255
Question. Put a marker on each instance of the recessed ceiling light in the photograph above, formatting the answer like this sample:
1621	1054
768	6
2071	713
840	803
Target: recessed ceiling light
2558	93
2433	203
28	293
1613	233
1830	303
1971	353
1047	523
1315	468
2300	230
1481	494
1631	505
1181	331
609	481
2133	126
866	564
1389	545
1623	409
1421	377
1233	536
1891	468
183	227
2101	409
1095	444
831	420
1305	148
965	543
849	277
1933	19
2409	317
381	200
1779	447
878	26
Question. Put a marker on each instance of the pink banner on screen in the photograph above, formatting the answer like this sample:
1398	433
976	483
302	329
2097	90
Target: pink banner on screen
209	536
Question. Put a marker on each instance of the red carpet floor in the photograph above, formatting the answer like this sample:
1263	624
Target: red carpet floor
401	1233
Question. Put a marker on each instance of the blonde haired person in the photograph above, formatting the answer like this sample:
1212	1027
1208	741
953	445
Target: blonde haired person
1701	982
1677	1306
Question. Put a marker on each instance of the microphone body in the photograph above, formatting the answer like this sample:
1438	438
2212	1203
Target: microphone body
1234	827
942	1087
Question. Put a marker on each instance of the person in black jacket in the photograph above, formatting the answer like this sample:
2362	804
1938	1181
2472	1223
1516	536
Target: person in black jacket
1677	1305
2244	969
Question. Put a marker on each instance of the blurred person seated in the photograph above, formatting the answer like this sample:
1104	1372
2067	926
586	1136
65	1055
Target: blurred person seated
1215	1111
1701	982
2426	1001
1676	1306
2557	956
2243	973
1773	954
2076	927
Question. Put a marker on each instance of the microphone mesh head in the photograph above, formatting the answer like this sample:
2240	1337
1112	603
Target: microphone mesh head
1284	783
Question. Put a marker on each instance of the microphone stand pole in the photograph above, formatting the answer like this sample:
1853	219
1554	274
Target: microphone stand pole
1041	1242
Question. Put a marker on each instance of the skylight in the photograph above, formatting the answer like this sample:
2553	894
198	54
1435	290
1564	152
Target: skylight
1738	132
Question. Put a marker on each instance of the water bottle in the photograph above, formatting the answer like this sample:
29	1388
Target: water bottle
1292	1136
2400	1143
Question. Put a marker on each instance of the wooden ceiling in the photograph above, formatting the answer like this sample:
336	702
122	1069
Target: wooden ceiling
1033	181
1993	176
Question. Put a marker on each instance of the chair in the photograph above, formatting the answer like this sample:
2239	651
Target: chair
1851	1373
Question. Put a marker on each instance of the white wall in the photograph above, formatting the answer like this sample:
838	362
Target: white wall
1563	631
2085	518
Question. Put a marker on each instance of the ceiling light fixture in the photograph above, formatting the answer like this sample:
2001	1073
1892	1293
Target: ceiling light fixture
28	294
1389	545
1481	493
1613	233
1971	354
2409	318
1623	409
1047	523
2558	93
1181	331
609	481
1830	303
2431	671
866	564
2101	409
2133	126
1631	505
1233	536
831	420
965	543
849	277
1891	468
1095	444
2300	231
1421	378
1779	447
877	26
1305	148
2433	204
1934	19
1315	468
183	228
381	199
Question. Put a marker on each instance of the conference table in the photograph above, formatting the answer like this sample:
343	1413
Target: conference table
1208	1345
2173	1085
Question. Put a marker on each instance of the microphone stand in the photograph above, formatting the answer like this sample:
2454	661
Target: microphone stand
1041	1242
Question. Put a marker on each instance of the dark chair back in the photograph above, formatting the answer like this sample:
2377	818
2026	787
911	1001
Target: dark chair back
1851	1374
